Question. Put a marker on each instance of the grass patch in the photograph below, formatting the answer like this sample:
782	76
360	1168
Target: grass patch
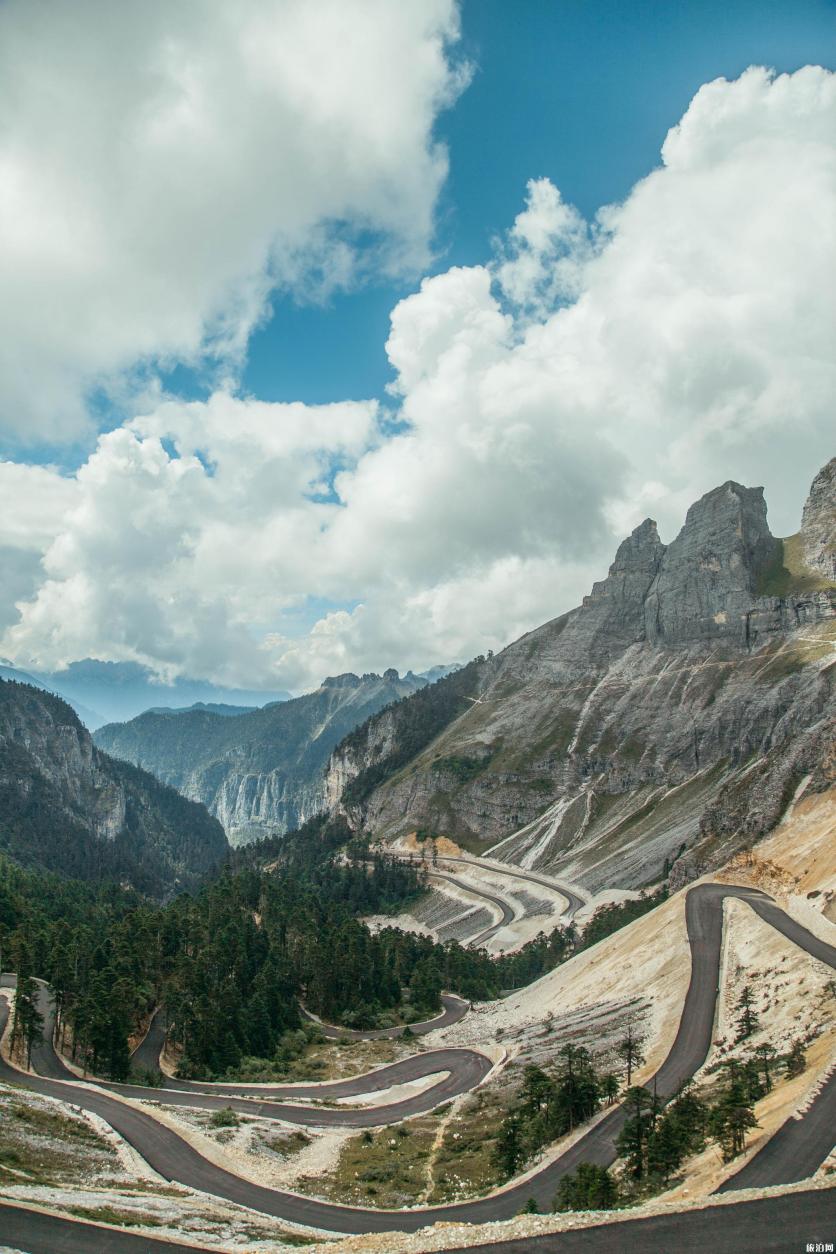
788	573
225	1118
463	1165
119	1218
287	1146
42	1146
385	1168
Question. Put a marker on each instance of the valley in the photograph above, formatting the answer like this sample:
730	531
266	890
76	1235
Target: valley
554	944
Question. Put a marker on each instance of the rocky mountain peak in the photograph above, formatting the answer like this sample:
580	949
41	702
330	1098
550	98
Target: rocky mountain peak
346	680
613	613
709	574
818	523
640	552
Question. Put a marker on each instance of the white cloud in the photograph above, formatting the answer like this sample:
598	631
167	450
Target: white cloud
698	346
542	262
162	166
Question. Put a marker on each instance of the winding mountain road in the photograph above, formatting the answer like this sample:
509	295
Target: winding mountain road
177	1160
773	1225
574	902
454	1009
507	913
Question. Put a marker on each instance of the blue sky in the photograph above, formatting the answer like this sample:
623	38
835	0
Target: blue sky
197	167
581	91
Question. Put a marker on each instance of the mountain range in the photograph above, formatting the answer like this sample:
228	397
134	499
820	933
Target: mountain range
261	772
102	692
665	723
648	734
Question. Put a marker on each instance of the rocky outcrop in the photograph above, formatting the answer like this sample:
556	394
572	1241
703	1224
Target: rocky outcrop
818	523
709	575
66	806
670	716
263	772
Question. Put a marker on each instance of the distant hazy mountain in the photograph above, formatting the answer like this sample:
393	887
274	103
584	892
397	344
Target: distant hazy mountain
260	773
209	707
105	692
65	806
437	672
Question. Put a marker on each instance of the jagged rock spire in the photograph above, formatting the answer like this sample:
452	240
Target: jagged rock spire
709	574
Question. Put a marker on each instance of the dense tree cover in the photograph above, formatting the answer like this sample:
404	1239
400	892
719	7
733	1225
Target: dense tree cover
608	919
589	1187
547	1107
418	719
231	963
163	841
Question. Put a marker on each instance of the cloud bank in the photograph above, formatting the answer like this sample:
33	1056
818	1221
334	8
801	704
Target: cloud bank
586	376
164	167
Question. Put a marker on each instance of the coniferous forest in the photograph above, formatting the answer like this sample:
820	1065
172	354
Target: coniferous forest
232	962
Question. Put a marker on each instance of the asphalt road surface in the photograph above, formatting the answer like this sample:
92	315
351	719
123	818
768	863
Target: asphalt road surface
573	902
178	1161
506	911
775	1225
460	1070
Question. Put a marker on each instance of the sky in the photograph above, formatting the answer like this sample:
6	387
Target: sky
344	334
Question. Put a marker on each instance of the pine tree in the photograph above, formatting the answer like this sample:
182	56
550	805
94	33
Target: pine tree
765	1055
795	1060
590	1187
27	1028
634	1136
610	1087
733	1116
508	1151
629	1048
748	1020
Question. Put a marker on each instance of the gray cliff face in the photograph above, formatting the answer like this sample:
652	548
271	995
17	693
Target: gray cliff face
709	575
665	722
261	773
818	523
66	806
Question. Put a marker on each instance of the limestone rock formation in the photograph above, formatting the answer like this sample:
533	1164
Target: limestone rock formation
664	723
818	523
709	575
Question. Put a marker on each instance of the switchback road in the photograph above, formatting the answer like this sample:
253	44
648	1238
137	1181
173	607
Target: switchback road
507	914
574	902
176	1159
454	1009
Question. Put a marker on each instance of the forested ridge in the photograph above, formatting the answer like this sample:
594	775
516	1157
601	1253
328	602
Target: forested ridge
231	963
417	720
66	806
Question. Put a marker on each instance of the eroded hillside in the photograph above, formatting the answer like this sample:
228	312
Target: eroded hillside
662	725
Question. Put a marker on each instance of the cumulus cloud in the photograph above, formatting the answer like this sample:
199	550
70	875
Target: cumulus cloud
163	167
586	376
542	261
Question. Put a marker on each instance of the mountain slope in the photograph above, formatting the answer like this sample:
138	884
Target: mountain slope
66	806
665	722
261	773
